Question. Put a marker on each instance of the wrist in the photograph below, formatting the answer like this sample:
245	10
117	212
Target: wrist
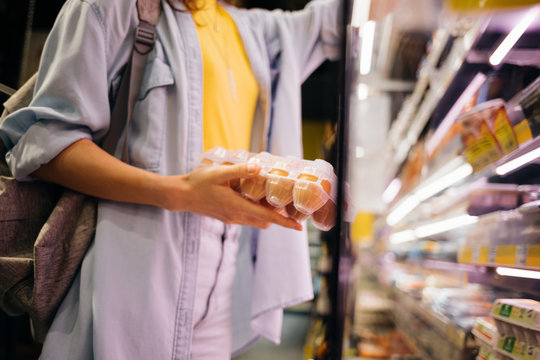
169	192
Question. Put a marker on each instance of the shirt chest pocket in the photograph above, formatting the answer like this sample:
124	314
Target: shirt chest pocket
150	114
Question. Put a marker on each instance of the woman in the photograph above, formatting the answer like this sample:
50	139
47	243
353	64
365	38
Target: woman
156	283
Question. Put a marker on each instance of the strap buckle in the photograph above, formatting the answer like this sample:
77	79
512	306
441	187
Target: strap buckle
145	37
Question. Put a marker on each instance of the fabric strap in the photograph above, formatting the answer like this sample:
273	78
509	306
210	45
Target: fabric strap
145	37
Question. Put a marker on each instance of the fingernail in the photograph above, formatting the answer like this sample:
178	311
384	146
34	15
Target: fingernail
252	169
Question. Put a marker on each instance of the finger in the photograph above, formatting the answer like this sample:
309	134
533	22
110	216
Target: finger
229	172
268	215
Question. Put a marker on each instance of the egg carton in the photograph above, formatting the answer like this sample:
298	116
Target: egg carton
518	318
294	187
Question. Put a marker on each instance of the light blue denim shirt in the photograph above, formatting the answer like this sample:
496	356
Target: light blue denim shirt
140	272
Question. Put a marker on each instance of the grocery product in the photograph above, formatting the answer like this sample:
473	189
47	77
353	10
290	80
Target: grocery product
313	186
294	213
518	325
255	187
279	184
325	217
487	133
489	197
293	187
530	103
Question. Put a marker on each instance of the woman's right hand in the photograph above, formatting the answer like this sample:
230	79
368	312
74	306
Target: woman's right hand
207	191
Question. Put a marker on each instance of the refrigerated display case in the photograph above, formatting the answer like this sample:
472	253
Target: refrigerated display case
439	140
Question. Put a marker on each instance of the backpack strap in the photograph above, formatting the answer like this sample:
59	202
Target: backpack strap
145	37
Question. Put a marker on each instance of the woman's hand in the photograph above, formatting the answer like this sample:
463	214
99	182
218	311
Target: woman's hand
207	191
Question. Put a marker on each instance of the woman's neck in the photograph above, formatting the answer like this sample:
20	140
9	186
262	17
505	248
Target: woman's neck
206	4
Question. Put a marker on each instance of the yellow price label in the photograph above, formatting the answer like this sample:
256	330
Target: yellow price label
466	255
533	256
506	255
483	255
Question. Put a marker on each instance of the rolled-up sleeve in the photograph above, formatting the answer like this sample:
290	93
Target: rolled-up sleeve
70	100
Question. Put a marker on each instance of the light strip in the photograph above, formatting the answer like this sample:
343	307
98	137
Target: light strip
402	236
518	162
528	274
360	13
391	191
444	225
368	37
402	209
454	112
508	43
444	181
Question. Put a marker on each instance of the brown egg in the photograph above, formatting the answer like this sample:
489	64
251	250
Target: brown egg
325	218
279	188
308	195
295	214
254	188
265	203
206	161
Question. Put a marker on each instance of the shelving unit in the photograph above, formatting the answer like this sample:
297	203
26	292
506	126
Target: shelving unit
449	254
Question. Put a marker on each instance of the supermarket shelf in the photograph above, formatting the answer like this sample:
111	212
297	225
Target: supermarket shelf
453	333
523	256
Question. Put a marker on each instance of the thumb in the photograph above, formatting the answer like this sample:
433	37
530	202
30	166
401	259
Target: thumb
230	172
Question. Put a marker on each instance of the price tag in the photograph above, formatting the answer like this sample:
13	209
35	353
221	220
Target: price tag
483	255
505	255
466	255
533	256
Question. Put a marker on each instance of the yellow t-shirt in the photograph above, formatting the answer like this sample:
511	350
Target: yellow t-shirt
230	89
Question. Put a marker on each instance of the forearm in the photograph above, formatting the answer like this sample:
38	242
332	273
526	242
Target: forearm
87	168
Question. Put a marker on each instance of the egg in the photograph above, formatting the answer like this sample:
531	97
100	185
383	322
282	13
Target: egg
325	218
279	188
295	214
308	195
254	188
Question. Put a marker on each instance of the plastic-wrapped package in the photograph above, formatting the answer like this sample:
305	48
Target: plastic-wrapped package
530	103
293	187
487	133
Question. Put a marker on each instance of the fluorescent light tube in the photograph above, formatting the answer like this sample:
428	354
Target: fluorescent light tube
444	225
510	40
402	209
401	237
444	181
360	13
368	37
528	274
518	162
391	191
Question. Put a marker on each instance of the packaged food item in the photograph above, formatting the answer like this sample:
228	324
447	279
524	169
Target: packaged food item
485	334
279	184
255	187
292	187
214	156
294	213
325	218
519	319
490	197
517	118
487	133
313	187
530	103
529	193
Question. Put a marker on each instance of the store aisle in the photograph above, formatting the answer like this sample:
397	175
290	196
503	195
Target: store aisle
295	327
